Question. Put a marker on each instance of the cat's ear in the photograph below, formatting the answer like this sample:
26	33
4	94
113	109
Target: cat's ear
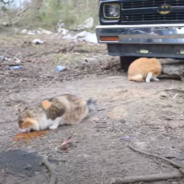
21	109
46	104
28	114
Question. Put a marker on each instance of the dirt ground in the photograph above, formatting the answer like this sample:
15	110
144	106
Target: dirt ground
149	116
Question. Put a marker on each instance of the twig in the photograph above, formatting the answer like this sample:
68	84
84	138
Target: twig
50	82
170	76
148	178
53	51
49	52
5	95
53	178
177	165
175	95
175	89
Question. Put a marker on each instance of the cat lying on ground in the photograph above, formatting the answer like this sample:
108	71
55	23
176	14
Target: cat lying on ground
50	113
144	69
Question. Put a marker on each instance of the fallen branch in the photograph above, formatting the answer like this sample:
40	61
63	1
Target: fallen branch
148	178
153	177
177	165
53	178
170	76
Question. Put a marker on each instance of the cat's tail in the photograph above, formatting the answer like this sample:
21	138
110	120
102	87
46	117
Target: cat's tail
91	103
137	78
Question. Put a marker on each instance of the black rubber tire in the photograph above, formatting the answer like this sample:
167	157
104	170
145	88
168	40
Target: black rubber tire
125	62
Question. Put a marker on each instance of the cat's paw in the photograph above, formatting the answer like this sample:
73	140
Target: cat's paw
155	79
54	126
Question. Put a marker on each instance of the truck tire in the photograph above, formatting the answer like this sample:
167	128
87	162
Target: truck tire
125	62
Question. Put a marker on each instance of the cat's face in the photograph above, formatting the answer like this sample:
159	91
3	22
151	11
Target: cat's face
26	122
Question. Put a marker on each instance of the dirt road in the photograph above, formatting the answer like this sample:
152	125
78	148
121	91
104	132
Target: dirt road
147	115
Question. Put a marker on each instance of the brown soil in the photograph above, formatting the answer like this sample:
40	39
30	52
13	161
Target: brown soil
147	115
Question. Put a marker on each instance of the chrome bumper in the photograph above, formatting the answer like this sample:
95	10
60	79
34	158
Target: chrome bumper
143	34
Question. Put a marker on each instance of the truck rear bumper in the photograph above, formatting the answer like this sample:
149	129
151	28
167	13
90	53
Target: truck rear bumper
141	34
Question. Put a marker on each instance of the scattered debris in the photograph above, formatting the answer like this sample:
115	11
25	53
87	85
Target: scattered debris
34	32
64	144
24	31
82	36
16	67
69	37
60	68
63	31
86	36
7	59
37	41
16	60
91	37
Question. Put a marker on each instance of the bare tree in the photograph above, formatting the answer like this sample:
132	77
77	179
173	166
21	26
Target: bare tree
6	1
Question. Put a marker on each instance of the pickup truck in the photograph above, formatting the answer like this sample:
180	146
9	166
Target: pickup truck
141	28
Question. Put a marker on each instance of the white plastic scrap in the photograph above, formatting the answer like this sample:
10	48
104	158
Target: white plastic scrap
91	38
63	31
37	41
81	34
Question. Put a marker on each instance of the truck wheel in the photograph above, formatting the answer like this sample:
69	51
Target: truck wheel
125	62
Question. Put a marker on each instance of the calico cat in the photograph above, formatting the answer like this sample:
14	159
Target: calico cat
50	113
144	69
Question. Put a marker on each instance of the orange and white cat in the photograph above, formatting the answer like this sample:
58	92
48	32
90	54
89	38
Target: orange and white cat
50	113
144	69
